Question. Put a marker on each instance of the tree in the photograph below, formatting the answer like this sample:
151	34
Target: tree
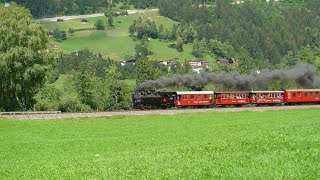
59	35
142	49
199	48
179	44
100	25
71	31
132	28
84	86
173	33
163	33
146	70
220	49
110	21
110	13
117	96
246	63
23	58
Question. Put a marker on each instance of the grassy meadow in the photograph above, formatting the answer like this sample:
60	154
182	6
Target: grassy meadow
246	145
115	42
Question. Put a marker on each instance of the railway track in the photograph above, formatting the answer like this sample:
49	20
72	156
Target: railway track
58	115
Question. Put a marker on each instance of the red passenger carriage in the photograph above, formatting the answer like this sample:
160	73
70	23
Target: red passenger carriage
238	98
194	98
266	97
302	96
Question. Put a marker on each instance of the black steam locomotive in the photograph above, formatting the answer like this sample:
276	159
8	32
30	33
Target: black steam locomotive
154	100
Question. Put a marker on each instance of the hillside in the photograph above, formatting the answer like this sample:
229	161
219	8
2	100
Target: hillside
115	42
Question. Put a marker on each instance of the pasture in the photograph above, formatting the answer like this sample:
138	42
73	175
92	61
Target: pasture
116	42
246	145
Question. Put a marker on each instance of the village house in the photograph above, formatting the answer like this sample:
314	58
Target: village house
198	66
131	61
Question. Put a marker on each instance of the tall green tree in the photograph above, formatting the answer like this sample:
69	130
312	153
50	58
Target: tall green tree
146	70
117	96
84	87
142	49
23	58
110	21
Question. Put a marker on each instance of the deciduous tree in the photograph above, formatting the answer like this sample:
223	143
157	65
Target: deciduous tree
145	70
23	58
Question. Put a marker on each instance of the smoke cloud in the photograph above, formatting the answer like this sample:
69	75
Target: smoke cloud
302	74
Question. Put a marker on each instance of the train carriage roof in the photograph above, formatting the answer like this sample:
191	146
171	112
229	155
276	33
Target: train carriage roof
232	92
194	92
257	92
302	90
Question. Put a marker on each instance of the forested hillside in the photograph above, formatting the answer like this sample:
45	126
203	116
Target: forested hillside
265	32
47	8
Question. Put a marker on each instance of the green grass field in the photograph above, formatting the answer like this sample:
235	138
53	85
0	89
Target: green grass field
246	145
116	43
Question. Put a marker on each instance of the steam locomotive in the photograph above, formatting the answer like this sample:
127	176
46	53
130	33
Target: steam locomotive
196	99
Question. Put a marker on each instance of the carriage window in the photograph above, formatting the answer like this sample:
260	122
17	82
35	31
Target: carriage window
199	96
305	94
317	93
294	94
206	96
191	96
311	93
185	96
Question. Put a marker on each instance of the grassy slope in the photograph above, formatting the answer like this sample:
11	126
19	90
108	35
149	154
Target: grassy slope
116	42
280	144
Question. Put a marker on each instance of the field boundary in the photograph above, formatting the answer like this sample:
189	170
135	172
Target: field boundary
60	115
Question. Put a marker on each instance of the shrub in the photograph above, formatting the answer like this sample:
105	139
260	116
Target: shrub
47	99
100	25
72	104
59	35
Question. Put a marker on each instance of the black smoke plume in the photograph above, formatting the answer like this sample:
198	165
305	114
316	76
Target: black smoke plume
302	74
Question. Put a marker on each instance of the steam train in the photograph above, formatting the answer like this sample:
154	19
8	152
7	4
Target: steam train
197	99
